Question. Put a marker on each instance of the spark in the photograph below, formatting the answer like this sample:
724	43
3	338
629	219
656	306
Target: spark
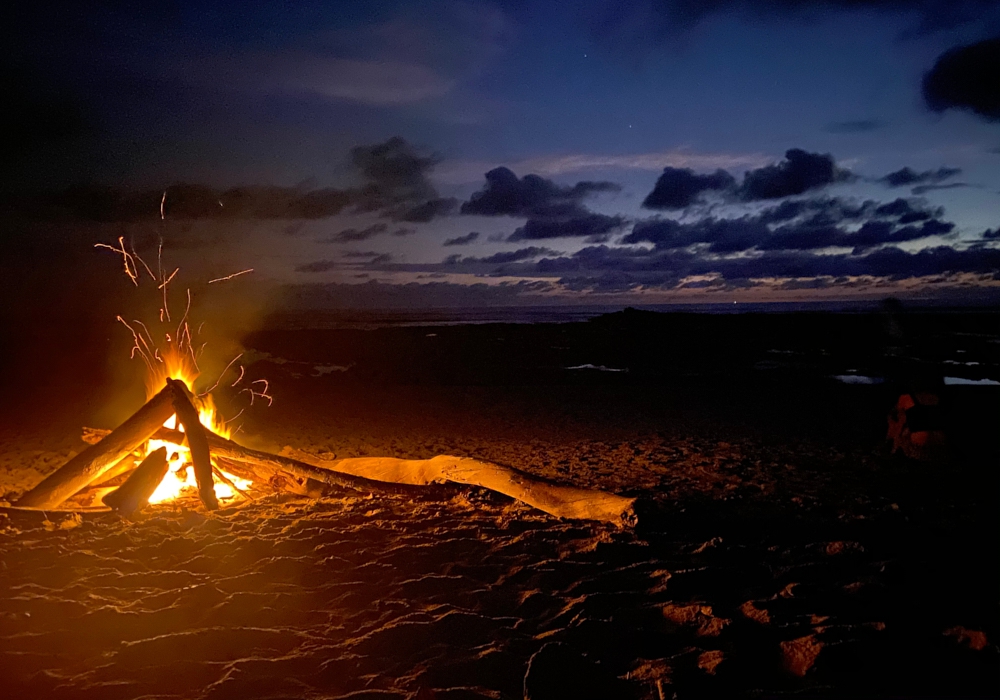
167	281
136	256
163	202
136	348
227	422
223	374
229	277
129	260
239	378
261	394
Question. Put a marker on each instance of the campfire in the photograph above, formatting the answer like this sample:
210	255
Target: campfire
177	444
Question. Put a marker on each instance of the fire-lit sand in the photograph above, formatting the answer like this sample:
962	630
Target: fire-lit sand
776	549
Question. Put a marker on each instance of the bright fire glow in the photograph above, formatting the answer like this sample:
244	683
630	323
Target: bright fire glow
177	358
180	475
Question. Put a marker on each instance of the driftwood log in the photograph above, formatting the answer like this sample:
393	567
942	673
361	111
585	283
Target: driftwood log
93	462
130	497
194	433
304	472
545	495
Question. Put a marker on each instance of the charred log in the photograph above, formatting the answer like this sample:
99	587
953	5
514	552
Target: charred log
194	433
93	462
134	494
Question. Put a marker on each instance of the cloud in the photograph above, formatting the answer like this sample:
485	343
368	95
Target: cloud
397	182
800	225
907	176
462	240
928	188
460	172
506	195
599	267
352	235
677	188
857	126
394	186
966	77
318	266
426	211
991	234
799	172
503	257
552	210
580	225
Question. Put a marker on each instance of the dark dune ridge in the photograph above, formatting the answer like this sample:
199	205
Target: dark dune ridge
779	550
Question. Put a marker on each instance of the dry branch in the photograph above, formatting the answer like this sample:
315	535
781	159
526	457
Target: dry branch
194	432
548	496
131	496
381	474
93	462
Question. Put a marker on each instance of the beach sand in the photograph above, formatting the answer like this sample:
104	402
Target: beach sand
779	550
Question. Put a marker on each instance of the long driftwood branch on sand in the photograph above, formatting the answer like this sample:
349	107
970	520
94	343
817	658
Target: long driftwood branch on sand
93	462
550	497
382	474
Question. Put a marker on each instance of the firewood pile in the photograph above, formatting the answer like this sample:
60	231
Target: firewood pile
113	465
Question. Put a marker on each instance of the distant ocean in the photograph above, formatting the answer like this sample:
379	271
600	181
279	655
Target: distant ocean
454	316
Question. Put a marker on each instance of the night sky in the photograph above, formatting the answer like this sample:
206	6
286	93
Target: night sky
452	153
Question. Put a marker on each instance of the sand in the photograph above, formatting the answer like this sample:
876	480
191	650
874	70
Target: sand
779	551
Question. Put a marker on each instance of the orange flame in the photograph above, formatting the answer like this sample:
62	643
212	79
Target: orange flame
178	360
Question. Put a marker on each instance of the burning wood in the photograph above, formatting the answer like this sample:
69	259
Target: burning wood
391	475
88	466
201	456
173	417
131	496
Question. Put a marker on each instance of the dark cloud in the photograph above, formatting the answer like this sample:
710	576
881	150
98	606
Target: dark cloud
598	267
502	258
857	126
966	77
553	211
798	225
318	266
183	201
800	172
922	189
907	176
530	196
583	225
352	235
462	240
991	234
396	187
677	188
426	211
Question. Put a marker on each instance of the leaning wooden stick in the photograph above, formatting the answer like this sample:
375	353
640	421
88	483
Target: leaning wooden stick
93	462
130	497
266	464
194	432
